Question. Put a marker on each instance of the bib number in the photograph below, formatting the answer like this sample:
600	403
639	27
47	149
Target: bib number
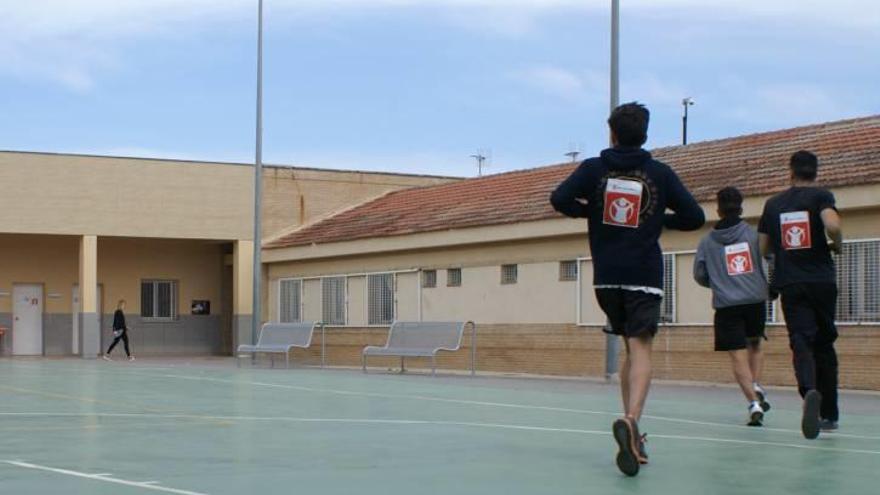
623	203
739	259
795	227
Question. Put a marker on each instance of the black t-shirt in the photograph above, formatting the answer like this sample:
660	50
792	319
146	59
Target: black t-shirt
792	219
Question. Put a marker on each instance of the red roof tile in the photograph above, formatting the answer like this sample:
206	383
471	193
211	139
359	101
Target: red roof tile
849	151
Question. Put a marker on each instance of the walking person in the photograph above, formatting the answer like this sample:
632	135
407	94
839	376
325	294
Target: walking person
728	262
793	229
624	193
120	332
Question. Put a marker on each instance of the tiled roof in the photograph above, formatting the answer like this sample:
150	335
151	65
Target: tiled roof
849	153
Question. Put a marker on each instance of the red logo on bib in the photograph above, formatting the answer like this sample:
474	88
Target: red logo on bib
739	259
795	230
623	203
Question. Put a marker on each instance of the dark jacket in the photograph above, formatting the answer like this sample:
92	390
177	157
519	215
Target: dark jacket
119	320
628	255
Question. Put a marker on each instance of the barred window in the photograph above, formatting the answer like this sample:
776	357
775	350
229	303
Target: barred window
429	279
667	310
380	289
290	301
333	300
509	274
159	299
858	277
453	277
568	270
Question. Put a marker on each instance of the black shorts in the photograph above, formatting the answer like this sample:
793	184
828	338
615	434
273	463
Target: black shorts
736	325
632	313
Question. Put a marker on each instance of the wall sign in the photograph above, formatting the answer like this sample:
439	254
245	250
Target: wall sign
201	307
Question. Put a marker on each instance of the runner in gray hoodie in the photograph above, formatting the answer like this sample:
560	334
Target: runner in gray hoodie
729	262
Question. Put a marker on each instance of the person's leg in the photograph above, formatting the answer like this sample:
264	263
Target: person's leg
125	342
801	320
113	344
743	374
624	378
824	353
756	359
639	378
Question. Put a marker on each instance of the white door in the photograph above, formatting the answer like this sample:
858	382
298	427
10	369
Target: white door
75	312
27	320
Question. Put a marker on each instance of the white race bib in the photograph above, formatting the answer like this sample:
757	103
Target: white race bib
795	230
739	259
623	203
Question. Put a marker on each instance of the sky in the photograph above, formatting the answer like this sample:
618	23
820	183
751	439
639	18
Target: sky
418	86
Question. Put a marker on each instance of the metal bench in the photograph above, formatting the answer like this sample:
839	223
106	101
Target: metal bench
424	339
280	338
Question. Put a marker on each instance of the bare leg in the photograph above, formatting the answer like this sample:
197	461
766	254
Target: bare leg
756	359
639	375
624	379
741	361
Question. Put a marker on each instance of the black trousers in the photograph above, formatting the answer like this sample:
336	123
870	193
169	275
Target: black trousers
124	338
809	310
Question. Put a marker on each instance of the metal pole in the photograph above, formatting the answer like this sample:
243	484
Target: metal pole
684	125
612	342
258	181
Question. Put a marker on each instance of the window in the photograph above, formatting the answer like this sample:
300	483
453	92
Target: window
290	301
568	271
333	300
453	277
858	277
667	310
380	299
429	279
771	305
159	299
509	274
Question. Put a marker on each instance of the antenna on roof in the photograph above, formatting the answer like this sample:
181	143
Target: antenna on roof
573	152
481	158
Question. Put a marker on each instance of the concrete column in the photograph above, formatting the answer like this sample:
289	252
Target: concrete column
242	293
89	319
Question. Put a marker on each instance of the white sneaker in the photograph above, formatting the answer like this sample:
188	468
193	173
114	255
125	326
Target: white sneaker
106	358
131	358
756	414
762	397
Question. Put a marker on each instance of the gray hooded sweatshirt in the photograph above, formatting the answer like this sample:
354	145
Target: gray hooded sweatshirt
729	262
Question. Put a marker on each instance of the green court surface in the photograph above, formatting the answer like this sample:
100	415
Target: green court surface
205	427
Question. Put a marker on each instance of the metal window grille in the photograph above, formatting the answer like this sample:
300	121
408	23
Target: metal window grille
290	303
429	279
333	300
667	309
770	305
380	299
159	299
858	276
453	277
568	270
509	274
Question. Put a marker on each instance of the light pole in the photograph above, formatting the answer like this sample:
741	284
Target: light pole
258	182
481	159
685	102
612	342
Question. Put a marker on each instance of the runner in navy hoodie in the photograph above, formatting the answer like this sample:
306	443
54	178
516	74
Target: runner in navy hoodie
624	194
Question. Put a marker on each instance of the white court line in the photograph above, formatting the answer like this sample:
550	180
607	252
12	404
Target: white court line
148	485
417	422
493	404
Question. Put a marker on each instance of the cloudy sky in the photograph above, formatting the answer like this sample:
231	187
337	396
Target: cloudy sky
419	85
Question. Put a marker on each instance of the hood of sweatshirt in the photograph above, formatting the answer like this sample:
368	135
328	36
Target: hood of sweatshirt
625	158
730	235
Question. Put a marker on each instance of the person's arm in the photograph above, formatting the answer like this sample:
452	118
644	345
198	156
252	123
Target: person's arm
764	245
687	214
701	273
832	222
571	197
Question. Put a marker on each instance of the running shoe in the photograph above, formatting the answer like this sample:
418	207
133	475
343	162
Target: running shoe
810	421
627	455
762	397
756	414
106	358
827	425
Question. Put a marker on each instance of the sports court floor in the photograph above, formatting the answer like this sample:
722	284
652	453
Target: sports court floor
204	427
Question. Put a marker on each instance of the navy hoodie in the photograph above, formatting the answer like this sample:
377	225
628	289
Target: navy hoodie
624	231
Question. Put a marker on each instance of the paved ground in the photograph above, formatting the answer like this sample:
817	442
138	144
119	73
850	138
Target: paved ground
204	427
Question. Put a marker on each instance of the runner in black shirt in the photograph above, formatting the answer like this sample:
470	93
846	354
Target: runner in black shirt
793	230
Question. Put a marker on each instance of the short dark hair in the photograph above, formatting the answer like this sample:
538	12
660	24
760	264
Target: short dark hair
804	165
730	202
629	122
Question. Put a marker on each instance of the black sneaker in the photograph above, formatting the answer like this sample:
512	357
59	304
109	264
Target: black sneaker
810	421
627	456
762	397
827	425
